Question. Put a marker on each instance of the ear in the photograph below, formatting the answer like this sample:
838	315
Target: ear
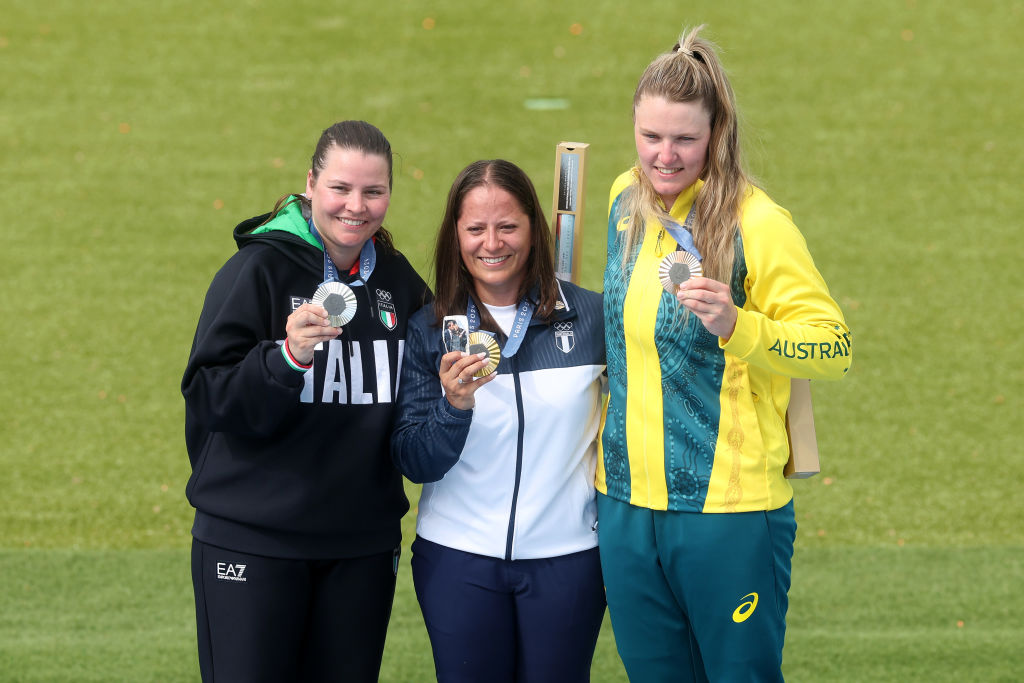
309	183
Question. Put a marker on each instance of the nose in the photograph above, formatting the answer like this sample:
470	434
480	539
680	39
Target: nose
666	153
492	240
356	202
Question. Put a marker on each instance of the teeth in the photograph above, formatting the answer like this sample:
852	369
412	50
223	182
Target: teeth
497	259
669	171
350	221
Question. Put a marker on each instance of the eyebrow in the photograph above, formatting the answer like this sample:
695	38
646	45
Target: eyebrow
674	134
336	181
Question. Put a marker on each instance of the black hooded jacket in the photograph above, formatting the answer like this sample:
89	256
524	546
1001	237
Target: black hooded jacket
286	463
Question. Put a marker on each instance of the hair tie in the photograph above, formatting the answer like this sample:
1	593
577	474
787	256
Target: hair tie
679	49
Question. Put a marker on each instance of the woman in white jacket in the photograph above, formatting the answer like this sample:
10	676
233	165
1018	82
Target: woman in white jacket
503	437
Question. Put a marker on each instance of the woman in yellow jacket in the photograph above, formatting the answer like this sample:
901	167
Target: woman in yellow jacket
712	304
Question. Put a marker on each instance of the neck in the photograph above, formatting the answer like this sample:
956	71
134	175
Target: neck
504	296
344	258
688	194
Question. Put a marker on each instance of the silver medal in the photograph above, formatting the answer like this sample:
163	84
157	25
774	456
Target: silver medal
339	300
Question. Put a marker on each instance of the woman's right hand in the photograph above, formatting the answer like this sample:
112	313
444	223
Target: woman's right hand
306	327
456	374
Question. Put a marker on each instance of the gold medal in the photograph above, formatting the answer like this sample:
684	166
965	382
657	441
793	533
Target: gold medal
677	268
481	342
339	300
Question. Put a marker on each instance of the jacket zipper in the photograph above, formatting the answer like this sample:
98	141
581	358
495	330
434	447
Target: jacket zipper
369	311
519	459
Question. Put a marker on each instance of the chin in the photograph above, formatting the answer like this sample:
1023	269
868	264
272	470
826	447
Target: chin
673	190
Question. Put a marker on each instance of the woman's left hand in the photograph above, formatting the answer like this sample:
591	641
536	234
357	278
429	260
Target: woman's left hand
457	377
711	301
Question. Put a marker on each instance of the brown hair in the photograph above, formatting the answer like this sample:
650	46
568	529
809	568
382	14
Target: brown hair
692	72
356	135
453	285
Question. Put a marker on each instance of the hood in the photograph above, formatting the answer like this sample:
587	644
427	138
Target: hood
288	232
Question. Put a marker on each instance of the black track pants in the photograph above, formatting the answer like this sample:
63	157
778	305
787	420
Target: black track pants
270	619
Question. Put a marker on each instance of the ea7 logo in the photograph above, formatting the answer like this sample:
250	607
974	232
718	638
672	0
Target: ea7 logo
230	572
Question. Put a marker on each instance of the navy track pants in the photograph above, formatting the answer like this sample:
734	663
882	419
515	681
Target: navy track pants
505	621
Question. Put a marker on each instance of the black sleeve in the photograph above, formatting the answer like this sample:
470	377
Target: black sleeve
237	379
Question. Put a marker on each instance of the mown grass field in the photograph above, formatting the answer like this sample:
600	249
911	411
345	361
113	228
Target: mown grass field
134	135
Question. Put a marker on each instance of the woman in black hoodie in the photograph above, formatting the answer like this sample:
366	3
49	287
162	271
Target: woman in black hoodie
289	394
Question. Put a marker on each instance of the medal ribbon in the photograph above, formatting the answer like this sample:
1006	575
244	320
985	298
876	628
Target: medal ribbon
683	234
518	332
367	261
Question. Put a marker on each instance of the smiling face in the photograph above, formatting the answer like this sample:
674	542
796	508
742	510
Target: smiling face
494	241
349	198
672	143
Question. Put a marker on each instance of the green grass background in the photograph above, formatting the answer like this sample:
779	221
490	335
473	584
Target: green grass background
135	134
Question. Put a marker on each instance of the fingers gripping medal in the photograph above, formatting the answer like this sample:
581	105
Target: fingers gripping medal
339	301
481	342
677	268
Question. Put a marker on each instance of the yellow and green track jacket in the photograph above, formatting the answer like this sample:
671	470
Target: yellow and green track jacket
693	423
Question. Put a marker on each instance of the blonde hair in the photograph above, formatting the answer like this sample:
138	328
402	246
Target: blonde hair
692	72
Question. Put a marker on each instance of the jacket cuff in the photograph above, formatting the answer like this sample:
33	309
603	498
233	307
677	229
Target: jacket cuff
282	369
744	335
455	413
291	360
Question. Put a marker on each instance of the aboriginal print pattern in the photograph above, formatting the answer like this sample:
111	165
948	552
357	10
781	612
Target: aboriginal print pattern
615	458
691	367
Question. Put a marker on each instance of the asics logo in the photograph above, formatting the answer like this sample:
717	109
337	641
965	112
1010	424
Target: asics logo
746	608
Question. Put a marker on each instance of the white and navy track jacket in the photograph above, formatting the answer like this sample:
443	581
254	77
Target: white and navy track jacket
512	478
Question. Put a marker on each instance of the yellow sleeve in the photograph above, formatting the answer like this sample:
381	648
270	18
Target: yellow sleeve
789	324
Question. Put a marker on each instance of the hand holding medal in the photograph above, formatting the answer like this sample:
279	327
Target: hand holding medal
711	301
307	326
463	373
681	274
